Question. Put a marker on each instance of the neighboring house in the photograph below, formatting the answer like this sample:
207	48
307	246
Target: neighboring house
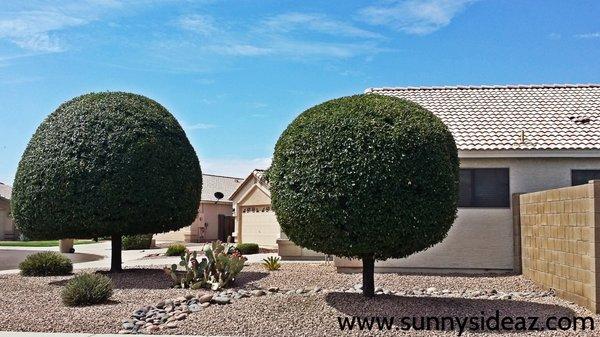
255	221
7	227
510	139
215	216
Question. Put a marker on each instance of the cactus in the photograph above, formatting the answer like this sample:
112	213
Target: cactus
223	262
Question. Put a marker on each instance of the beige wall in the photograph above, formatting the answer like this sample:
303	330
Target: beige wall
6	223
208	213
560	239
481	239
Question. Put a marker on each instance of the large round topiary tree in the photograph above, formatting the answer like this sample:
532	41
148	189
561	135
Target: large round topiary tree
367	176
106	164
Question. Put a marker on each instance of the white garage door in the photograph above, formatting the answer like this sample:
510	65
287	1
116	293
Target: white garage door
259	225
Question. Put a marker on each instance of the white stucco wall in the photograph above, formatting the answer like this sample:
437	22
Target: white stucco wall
482	238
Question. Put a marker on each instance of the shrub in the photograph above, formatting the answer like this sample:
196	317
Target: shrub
87	289
272	263
248	248
175	249
223	262
46	264
367	176
109	163
138	241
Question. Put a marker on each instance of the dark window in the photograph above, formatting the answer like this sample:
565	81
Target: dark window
487	187
580	177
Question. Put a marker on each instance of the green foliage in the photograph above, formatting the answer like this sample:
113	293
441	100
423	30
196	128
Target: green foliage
366	175
87	289
272	263
175	249
223	262
137	241
104	164
46	264
248	248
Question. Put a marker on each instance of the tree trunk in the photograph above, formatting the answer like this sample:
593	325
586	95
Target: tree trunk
116	246
368	276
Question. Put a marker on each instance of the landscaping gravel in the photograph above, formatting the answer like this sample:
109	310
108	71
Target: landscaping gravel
298	300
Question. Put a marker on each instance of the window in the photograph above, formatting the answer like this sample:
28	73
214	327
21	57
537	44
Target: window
580	177
488	187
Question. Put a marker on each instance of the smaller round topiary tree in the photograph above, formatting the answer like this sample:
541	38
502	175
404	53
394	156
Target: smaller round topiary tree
106	164
367	176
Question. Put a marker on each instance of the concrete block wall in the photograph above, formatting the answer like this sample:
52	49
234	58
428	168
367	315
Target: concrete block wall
560	242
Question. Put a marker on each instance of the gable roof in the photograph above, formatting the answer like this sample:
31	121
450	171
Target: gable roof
257	175
5	191
513	117
213	183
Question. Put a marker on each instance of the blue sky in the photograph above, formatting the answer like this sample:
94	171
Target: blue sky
235	73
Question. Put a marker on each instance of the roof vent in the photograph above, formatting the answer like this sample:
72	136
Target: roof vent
580	119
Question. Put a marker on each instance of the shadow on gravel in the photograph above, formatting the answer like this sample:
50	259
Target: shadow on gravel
134	278
420	308
246	277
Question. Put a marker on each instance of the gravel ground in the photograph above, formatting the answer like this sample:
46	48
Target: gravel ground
33	304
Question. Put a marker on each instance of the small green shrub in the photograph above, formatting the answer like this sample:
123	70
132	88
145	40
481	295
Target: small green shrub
87	289
175	249
46	264
139	241
247	248
272	263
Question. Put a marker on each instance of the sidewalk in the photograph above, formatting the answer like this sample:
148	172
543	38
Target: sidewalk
130	258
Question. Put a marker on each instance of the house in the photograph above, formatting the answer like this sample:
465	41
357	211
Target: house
255	221
510	139
215	215
7	227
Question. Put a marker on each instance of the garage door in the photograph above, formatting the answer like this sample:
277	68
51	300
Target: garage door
259	225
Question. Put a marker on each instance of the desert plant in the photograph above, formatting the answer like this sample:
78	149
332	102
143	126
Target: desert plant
248	248
221	264
367	176
107	163
87	289
272	263
46	264
137	241
175	249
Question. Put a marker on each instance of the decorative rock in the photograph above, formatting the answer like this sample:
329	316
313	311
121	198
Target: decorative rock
431	290
205	298
317	289
181	317
189	297
124	332
128	325
171	325
221	300
160	304
205	304
258	292
194	307
274	289
300	291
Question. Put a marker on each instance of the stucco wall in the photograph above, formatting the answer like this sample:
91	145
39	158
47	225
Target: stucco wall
208	212
6	224
482	238
559	234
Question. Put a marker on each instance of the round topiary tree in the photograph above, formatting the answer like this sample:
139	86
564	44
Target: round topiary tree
367	176
106	164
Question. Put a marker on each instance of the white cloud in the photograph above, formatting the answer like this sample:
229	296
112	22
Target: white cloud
414	16
198	126
234	167
316	22
593	35
238	49
203	24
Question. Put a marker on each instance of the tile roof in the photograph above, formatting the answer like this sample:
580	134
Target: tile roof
213	183
513	117
5	191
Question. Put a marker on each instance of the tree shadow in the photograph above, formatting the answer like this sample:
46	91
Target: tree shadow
134	278
420	308
248	277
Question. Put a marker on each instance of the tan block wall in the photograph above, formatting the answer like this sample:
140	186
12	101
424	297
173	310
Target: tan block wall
559	240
